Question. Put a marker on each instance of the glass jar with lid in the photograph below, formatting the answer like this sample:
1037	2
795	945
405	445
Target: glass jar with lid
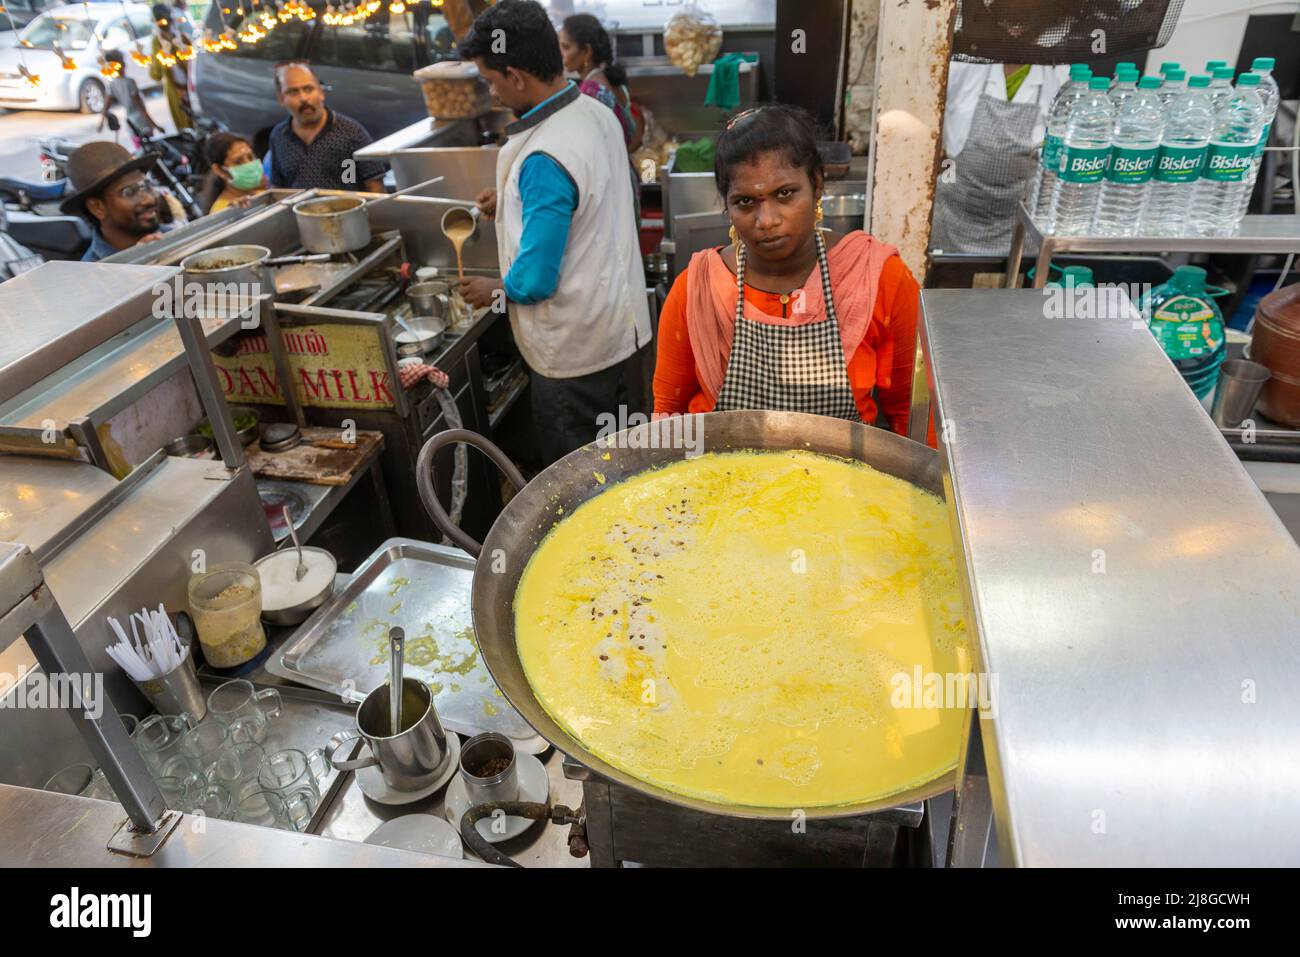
226	604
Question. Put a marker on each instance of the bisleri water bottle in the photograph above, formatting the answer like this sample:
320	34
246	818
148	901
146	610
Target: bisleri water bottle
1085	156
1139	125
1175	83
1216	204
1040	197
1189	121
1124	85
1271	96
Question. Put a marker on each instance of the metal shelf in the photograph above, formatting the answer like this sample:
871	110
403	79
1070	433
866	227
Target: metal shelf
102	386
62	316
1256	234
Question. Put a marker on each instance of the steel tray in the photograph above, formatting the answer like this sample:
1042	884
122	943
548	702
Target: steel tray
425	589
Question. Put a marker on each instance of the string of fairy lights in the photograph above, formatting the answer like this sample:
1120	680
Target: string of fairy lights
256	19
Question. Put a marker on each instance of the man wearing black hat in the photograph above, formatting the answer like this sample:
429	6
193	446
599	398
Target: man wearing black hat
112	189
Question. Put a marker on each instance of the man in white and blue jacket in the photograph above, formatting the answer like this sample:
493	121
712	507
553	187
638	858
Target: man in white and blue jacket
566	230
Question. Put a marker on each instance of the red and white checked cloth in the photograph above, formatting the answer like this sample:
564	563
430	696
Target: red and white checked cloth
412	373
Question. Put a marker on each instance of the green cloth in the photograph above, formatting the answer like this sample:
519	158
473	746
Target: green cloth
695	156
1014	81
724	83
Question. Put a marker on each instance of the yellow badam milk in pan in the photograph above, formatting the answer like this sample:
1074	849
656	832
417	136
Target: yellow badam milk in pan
728	627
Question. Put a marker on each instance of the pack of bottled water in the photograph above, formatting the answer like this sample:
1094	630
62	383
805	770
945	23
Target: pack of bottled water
1168	155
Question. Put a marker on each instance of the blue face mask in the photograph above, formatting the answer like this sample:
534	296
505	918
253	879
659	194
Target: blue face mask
246	175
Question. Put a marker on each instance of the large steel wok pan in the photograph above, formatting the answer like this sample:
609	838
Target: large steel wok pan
555	493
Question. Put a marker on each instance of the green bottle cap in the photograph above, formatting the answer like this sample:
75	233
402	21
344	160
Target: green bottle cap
1127	74
1264	64
1223	73
1081	72
1076	276
1199	82
1099	83
1125	66
1169	65
1177	75
1249	79
1149	83
1212	65
1189	279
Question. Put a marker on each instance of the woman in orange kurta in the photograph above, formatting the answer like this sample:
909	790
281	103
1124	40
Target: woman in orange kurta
828	323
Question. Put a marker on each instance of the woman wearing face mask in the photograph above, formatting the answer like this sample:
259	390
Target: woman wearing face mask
238	172
789	317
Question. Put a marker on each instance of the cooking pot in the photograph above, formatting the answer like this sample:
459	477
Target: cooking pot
554	495
341	224
232	277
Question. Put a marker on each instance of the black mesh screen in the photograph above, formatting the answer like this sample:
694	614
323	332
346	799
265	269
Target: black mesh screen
1060	31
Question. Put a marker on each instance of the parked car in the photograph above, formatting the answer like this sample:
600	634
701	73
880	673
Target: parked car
20	13
82	32
365	68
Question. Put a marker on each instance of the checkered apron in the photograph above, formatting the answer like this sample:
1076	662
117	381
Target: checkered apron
788	368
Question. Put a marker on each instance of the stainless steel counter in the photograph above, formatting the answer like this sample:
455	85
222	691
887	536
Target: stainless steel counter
43	829
60	310
111	549
1130	588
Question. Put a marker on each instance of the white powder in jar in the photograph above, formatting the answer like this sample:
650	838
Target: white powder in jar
280	586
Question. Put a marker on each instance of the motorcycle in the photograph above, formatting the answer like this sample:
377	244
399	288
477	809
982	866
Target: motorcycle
15	258
34	230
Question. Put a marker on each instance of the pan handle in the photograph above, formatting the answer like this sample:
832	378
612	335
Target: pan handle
429	495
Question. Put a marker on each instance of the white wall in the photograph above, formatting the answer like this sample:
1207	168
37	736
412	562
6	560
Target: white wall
1212	30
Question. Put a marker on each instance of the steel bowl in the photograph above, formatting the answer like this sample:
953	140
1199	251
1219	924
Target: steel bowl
187	445
425	331
296	614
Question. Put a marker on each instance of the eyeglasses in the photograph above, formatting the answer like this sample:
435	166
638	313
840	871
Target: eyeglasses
146	185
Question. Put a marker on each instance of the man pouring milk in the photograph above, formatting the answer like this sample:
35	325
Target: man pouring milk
566	233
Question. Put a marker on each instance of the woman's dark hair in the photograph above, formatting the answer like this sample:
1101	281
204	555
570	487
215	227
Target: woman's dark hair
527	40
219	145
787	130
586	31
215	150
115	56
161	11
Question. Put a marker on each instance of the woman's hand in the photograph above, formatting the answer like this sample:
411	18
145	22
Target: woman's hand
487	202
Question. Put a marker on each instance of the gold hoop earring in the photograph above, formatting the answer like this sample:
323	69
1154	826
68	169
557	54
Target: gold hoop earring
821	213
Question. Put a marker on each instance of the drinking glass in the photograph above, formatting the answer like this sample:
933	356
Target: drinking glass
205	742
157	738
294	774
213	800
181	794
238	698
271	809
238	763
81	779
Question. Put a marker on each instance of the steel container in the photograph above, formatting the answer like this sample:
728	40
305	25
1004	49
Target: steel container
333	224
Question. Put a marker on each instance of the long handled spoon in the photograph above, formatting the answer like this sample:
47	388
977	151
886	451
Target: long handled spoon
396	638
